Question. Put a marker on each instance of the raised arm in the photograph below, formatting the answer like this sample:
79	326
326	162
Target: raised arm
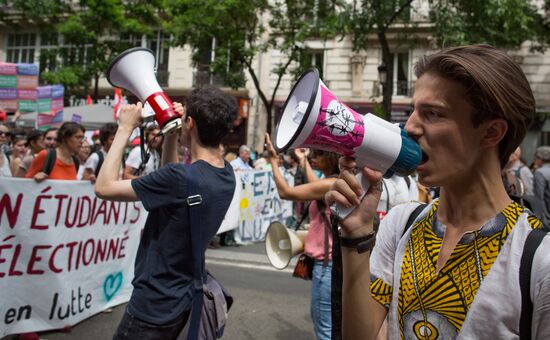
170	143
305	165
305	192
107	185
362	316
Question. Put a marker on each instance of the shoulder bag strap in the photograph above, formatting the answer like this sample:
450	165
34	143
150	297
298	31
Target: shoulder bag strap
51	155
327	230
194	202
99	162
533	241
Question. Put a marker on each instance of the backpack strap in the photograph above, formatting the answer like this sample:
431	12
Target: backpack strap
51	155
414	214
533	241
337	275
194	202
99	162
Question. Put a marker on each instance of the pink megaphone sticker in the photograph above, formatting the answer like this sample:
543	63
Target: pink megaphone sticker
338	128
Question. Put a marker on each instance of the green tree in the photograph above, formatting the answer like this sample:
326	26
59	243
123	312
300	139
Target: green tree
90	32
502	23
238	31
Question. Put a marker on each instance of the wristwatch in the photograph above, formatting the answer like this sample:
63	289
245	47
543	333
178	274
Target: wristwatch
361	244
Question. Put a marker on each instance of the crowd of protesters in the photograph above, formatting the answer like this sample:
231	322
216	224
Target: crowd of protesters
25	153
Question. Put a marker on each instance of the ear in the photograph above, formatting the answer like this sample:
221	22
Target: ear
495	130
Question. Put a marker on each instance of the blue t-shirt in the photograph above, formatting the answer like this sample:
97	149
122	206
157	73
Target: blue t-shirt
164	264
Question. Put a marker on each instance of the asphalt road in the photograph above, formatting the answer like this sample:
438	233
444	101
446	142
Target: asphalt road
269	304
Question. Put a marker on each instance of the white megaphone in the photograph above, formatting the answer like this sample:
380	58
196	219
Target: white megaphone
281	244
134	70
314	118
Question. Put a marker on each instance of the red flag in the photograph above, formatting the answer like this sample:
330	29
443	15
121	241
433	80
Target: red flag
88	100
118	102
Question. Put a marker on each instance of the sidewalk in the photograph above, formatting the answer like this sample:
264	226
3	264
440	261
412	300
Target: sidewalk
250	254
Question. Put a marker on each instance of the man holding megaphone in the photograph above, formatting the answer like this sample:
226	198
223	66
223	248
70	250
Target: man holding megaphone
454	272
163	283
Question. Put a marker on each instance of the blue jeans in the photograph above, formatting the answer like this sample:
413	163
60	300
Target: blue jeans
320	300
131	328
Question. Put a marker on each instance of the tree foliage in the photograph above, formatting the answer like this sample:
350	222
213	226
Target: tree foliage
501	23
243	29
90	35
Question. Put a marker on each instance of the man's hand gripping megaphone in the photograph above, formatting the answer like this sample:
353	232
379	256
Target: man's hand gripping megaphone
348	192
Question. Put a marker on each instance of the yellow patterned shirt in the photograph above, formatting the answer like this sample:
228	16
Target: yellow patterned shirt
434	305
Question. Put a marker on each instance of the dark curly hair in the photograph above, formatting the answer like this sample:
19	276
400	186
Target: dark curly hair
107	130
214	112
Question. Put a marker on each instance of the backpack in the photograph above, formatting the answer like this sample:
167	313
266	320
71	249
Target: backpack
513	183
51	156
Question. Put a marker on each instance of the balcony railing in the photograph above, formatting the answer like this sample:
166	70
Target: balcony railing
400	88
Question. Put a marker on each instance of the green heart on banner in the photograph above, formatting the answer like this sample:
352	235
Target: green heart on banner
112	284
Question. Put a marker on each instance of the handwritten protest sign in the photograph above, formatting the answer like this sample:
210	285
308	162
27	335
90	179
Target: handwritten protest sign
260	205
64	253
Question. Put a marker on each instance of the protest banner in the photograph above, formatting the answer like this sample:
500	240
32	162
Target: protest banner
260	205
65	254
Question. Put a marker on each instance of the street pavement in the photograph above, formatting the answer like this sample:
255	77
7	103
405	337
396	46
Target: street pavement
274	300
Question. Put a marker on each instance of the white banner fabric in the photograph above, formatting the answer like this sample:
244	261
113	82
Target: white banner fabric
65	254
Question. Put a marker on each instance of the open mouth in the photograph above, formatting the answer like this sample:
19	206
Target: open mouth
425	157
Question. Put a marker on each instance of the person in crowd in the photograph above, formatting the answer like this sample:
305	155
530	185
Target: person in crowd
94	162
35	144
396	190
18	150
542	179
472	106
163	283
82	156
243	161
518	177
262	162
319	229
50	138
5	137
69	140
134	165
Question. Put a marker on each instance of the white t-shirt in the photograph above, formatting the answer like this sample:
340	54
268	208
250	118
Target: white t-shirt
239	164
93	160
396	191
134	161
5	169
495	310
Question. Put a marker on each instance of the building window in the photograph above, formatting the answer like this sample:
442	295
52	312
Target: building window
49	45
312	58
401	74
21	48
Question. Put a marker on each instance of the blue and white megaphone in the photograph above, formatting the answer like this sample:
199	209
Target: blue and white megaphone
314	118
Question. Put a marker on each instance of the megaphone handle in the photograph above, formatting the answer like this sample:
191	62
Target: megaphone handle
343	212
